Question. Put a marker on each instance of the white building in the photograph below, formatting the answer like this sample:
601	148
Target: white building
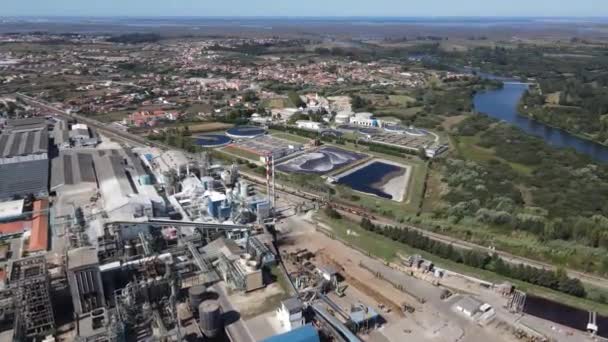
11	209
80	135
468	306
343	118
365	120
309	125
257	118
290	315
124	199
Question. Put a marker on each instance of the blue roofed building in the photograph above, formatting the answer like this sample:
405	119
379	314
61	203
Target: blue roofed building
306	333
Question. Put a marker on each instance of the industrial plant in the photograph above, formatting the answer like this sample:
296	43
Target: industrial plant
126	242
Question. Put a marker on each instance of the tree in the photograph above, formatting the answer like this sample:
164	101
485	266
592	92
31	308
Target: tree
295	98
332	213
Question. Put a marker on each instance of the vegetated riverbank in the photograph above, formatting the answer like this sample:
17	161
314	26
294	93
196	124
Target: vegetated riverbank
525	197
544	116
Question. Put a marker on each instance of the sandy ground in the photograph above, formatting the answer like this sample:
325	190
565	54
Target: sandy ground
397	186
256	302
432	321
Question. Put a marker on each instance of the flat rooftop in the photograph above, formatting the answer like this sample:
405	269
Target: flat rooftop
11	209
83	256
27	177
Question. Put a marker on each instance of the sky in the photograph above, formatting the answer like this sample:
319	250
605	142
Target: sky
300	8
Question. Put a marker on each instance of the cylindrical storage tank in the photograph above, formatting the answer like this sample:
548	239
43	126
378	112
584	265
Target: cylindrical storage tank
196	294
210	318
244	188
139	248
129	250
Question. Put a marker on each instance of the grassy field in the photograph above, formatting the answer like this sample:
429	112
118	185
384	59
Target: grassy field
112	116
289	136
277	103
193	127
388	249
241	153
207	127
467	148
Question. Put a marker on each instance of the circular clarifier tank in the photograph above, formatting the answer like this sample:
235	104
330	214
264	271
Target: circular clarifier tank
212	140
245	132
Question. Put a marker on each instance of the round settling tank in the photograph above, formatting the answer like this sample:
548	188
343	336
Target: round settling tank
245	132
210	318
212	140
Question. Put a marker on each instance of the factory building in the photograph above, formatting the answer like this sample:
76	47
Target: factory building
78	135
163	163
365	120
309	125
26	125
73	172
218	206
468	306
84	279
24	165
306	333
362	318
260	251
236	267
11	210
61	135
81	135
34	229
29	284
343	117
124	196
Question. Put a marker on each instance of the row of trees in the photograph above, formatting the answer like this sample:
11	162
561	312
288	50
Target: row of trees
556	280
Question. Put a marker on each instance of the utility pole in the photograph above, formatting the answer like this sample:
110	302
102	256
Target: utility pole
274	189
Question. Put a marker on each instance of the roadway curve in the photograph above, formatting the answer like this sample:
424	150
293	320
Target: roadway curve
349	211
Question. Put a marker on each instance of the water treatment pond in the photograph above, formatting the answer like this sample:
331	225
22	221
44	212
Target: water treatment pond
380	178
321	161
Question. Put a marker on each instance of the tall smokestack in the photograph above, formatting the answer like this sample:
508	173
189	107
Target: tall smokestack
274	189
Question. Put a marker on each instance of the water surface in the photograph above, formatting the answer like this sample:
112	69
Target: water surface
502	104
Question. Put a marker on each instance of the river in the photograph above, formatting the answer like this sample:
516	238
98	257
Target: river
502	104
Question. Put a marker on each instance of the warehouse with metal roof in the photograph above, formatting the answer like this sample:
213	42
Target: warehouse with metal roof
24	166
23	146
73	171
27	125
23	178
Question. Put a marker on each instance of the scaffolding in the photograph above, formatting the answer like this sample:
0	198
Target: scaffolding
517	302
34	312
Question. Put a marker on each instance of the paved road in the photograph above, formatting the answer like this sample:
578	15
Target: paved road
131	138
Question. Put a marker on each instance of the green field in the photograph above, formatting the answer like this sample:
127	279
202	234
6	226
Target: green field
112	116
468	149
241	153
289	136
388	250
277	103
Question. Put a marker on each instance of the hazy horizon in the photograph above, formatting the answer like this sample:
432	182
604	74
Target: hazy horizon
311	8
